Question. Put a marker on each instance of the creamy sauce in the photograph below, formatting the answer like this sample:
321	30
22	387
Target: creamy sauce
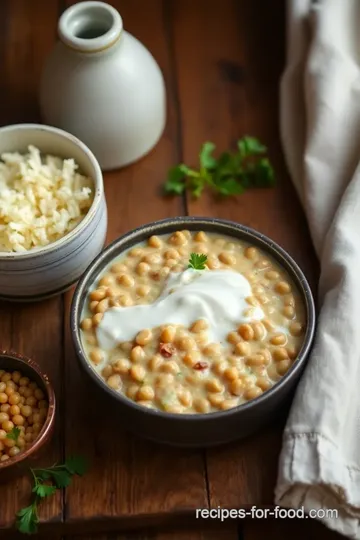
219	297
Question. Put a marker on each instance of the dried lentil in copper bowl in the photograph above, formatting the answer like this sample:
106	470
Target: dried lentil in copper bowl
172	383
27	411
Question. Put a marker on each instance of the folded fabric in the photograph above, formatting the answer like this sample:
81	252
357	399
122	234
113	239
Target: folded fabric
319	466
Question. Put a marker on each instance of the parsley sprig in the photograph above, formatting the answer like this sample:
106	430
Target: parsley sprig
14	434
231	173
197	261
27	519
46	483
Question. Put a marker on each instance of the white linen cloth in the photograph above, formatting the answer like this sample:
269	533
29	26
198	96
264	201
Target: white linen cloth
319	464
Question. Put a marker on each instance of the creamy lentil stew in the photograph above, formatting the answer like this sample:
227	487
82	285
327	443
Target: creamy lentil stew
178	369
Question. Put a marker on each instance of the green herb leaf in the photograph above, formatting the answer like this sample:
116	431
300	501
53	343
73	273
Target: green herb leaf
250	145
27	519
24	511
43	490
207	161
61	478
14	434
76	465
61	474
175	183
231	174
197	186
230	186
228	165
197	261
41	474
265	173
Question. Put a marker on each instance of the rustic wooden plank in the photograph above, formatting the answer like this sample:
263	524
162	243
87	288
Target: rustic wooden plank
129	476
229	61
296	529
228	87
250	469
13	535
27	31
205	534
225	533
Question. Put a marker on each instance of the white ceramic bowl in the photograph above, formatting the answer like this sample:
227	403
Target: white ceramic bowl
50	270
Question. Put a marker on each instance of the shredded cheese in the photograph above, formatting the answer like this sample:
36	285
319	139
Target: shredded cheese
42	198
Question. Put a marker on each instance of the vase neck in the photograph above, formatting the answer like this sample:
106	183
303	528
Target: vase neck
90	27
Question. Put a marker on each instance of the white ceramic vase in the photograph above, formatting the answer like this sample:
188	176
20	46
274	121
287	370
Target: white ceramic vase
102	85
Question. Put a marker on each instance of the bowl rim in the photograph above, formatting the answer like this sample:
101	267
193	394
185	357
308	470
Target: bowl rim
194	223
98	190
50	418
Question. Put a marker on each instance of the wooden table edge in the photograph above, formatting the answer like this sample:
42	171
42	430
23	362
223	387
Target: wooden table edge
180	519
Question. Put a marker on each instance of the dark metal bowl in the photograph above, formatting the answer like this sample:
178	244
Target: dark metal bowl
197	430
12	361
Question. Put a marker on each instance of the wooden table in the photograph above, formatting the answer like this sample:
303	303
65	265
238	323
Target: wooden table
222	61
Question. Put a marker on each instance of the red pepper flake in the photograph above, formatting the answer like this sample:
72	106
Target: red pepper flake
155	276
201	365
166	349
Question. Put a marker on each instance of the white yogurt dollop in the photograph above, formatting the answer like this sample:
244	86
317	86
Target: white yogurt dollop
217	296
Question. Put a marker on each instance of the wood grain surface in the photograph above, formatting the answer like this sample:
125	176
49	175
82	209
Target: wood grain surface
27	31
294	529
222	62
228	533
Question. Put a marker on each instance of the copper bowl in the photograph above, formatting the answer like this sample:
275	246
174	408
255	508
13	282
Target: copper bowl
12	361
